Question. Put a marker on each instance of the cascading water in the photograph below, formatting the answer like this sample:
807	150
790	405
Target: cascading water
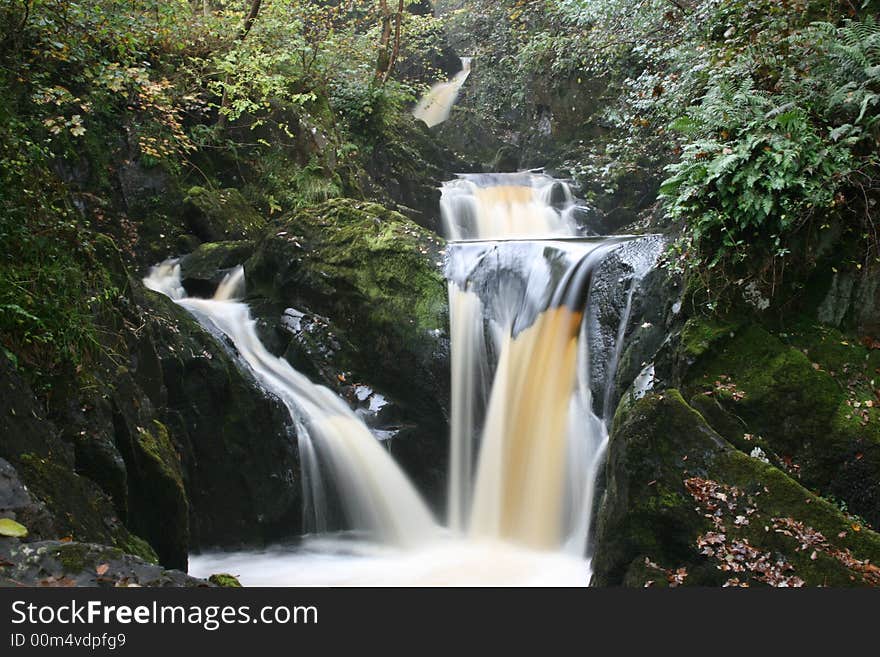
524	462
436	105
537	321
376	495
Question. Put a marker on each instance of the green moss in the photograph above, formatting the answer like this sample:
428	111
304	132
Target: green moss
375	273
225	580
73	557
803	396
657	444
157	446
139	548
76	558
218	214
698	336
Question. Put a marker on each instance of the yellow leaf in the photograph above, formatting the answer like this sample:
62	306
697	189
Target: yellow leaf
8	527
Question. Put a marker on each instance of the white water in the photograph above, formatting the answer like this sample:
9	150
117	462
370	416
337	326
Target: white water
524	463
446	562
436	105
518	461
407	547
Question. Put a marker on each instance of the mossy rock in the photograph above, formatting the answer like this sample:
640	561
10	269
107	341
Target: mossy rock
377	277
158	504
649	516
225	580
699	335
81	511
215	215
370	270
58	563
804	400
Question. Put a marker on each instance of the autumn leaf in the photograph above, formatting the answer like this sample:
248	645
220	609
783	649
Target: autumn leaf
8	527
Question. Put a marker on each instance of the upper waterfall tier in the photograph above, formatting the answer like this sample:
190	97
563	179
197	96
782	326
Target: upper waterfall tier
436	105
507	205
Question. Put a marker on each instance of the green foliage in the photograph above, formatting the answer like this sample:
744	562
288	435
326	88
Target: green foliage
90	90
768	152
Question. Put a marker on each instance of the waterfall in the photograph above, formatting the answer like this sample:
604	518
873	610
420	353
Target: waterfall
525	458
538	319
376	495
436	105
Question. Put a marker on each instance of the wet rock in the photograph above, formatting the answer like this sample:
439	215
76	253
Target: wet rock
57	563
202	270
237	452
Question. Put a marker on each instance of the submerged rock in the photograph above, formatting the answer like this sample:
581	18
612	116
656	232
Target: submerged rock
683	506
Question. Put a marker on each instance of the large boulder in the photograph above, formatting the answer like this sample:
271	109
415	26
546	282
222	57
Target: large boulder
220	214
806	397
683	506
237	453
358	289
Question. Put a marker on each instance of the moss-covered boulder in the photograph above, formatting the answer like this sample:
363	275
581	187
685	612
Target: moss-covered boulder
683	506
804	396
221	214
377	278
202	270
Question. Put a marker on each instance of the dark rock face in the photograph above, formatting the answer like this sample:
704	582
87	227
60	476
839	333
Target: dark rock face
679	496
354	294
56	563
41	486
170	441
237	454
408	165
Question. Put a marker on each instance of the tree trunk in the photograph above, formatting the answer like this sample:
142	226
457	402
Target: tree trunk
387	51
384	41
